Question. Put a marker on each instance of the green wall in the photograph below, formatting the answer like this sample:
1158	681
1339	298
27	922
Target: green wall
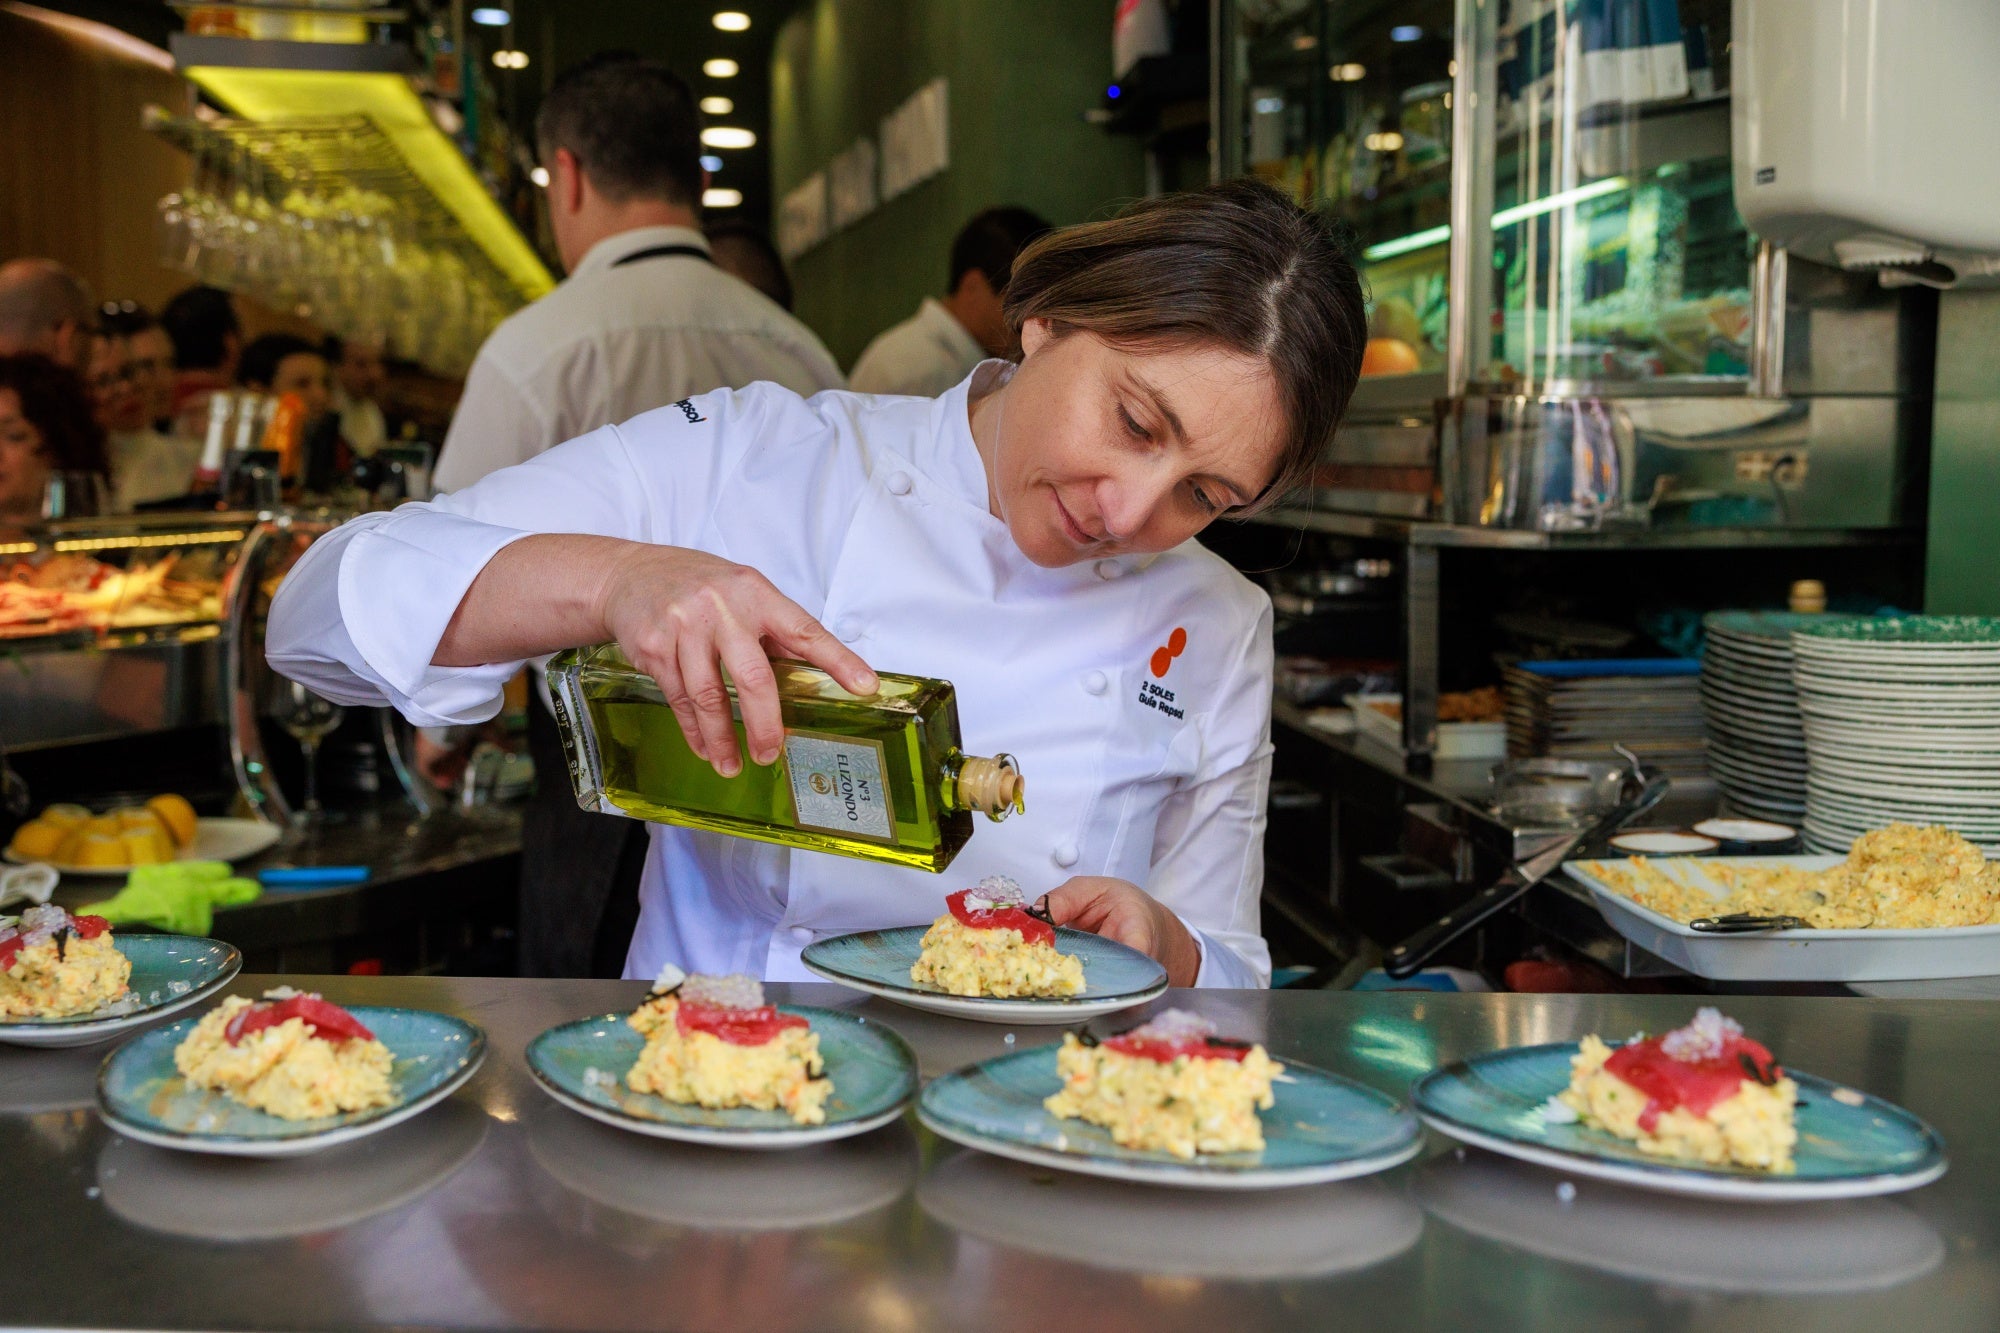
1021	76
1962	572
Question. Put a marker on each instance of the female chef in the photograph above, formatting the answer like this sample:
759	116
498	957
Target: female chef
1027	536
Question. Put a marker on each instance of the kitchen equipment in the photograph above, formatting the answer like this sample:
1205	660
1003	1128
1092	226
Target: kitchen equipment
1743	923
1642	792
1546	793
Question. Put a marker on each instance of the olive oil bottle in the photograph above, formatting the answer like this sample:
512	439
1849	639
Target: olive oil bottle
880	777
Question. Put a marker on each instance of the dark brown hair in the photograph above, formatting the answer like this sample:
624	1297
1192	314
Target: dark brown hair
56	403
1236	264
632	124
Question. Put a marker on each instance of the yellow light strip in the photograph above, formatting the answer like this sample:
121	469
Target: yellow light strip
211	538
18	548
387	100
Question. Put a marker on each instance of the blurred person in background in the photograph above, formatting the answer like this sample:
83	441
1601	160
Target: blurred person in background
282	363
208	340
743	251
932	350
358	377
46	428
47	310
132	381
646	317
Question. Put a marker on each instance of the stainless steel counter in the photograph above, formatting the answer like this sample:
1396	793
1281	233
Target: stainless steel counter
501	1209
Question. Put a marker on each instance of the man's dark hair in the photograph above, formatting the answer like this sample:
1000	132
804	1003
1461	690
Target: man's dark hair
989	243
261	359
200	321
630	122
742	249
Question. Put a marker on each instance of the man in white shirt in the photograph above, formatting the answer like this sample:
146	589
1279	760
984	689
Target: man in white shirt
357	383
645	318
938	346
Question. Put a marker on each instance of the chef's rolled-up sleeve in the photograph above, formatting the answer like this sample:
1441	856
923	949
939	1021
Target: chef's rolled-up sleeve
360	616
1208	846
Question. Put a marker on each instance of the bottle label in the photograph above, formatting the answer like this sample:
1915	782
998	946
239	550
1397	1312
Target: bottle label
839	784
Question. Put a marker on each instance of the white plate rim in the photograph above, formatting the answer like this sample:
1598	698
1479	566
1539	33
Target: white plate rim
1249	1178
305	1143
187	853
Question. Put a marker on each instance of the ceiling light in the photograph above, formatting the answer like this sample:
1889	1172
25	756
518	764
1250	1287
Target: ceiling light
511	59
710	162
732	20
719	68
540	176
728	136
491	16
1304	41
719	197
717	106
1406	32
1348	73
1383	141
1268	106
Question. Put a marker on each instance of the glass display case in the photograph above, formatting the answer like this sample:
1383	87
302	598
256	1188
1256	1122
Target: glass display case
1570	329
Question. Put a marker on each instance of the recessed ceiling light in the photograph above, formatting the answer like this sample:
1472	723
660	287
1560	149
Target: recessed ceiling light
710	162
717	106
540	176
511	59
732	20
722	67
728	136
1406	32
721	198
1349	73
1383	141
491	16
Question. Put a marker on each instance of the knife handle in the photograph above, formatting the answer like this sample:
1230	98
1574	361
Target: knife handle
1407	958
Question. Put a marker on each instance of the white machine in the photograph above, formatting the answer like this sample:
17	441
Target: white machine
1866	134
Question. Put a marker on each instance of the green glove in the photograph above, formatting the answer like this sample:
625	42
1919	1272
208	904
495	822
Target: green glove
178	896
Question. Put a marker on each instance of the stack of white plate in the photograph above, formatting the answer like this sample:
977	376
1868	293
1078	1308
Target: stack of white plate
1902	724
1756	743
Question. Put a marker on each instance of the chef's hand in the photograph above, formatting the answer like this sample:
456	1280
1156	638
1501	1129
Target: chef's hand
1120	910
684	617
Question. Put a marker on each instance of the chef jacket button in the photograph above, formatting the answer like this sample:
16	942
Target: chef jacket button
803	934
1066	854
1109	569
1095	682
899	483
847	629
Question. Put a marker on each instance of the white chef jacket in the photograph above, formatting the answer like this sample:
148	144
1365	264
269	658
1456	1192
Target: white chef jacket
925	355
871	513
612	341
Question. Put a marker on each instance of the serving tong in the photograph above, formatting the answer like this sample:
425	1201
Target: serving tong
1643	790
1744	923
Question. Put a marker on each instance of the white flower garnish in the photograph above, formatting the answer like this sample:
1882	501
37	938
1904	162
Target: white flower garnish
995	891
1175	1025
1556	1111
1703	1039
738	990
670	977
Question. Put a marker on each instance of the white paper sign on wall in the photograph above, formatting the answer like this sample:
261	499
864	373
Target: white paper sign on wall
802	217
851	183
916	139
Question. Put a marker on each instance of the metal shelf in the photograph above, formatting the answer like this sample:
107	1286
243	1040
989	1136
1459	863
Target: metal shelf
1418	533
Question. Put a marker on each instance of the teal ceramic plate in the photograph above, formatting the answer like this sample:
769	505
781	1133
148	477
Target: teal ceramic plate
1322	1127
141	1095
169	973
878	962
1847	1148
583	1064
1907	632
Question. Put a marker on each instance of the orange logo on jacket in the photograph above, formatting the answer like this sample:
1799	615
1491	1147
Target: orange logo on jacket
1163	658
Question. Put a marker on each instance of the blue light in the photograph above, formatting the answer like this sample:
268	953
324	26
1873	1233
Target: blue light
1406	32
1113	91
491	17
710	162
